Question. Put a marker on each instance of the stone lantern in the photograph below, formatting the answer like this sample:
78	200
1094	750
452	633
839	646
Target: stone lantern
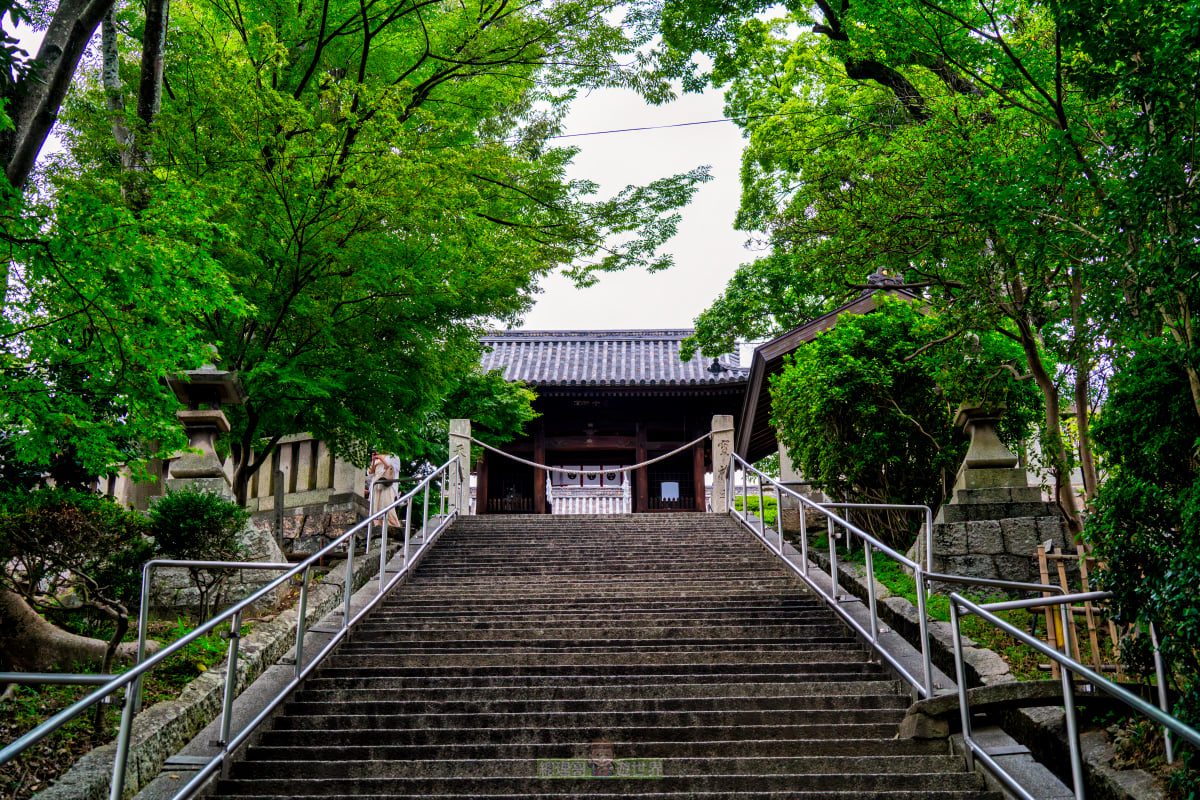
204	391
986	450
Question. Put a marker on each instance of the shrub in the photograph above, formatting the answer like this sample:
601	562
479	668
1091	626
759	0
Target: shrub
192	524
1146	519
56	543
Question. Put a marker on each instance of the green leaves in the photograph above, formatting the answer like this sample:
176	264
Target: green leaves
865	410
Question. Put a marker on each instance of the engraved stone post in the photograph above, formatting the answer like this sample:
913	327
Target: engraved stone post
722	448
460	477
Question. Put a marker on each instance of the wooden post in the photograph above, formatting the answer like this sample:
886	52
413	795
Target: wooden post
539	475
698	473
641	497
722	448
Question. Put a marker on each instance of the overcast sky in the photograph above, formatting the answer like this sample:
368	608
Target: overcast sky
707	249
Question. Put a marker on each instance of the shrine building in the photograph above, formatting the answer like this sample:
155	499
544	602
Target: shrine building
608	399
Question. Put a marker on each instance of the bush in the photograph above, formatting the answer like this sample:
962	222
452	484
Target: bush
53	540
1146	518
57	544
866	409
192	524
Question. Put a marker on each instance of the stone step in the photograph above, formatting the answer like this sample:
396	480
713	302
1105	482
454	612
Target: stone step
418	680
519	704
300	746
641	791
602	719
263	768
591	671
574	734
618	631
375	663
484	786
674	637
559	690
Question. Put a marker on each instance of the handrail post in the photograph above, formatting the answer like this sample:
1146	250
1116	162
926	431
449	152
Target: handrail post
762	513
960	675
383	544
869	559
1160	674
923	621
349	581
300	620
833	565
371	510
143	630
1069	711
231	671
121	759
746	491
803	539
425	511
779	515
928	539
407	530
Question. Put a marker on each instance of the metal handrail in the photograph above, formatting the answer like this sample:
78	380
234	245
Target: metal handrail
131	679
900	507
921	576
960	605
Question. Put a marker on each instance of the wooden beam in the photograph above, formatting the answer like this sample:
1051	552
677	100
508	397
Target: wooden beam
698	473
591	442
539	475
641	497
607	443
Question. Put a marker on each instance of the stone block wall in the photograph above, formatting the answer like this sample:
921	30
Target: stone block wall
992	530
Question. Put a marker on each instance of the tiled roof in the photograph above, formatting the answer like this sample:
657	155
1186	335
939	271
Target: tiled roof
604	358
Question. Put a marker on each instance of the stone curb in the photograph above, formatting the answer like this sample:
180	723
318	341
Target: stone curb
1042	730
162	729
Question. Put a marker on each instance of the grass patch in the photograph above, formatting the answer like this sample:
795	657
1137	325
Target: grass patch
1023	660
770	507
38	767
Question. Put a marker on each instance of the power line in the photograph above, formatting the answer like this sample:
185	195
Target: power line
428	148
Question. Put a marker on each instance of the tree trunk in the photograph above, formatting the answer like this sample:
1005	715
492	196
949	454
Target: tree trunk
34	102
1055	448
1083	369
29	643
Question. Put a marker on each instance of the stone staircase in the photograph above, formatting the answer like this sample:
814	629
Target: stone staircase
539	646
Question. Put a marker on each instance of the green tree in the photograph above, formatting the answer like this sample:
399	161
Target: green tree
1147	514
945	141
193	524
498	411
383	186
866	409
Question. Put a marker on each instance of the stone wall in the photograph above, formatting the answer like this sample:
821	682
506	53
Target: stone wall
992	530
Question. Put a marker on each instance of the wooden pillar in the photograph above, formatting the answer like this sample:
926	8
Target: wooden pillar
698	473
481	484
539	475
641	495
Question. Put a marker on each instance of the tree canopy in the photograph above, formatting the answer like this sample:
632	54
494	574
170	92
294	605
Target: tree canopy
337	197
1020	163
